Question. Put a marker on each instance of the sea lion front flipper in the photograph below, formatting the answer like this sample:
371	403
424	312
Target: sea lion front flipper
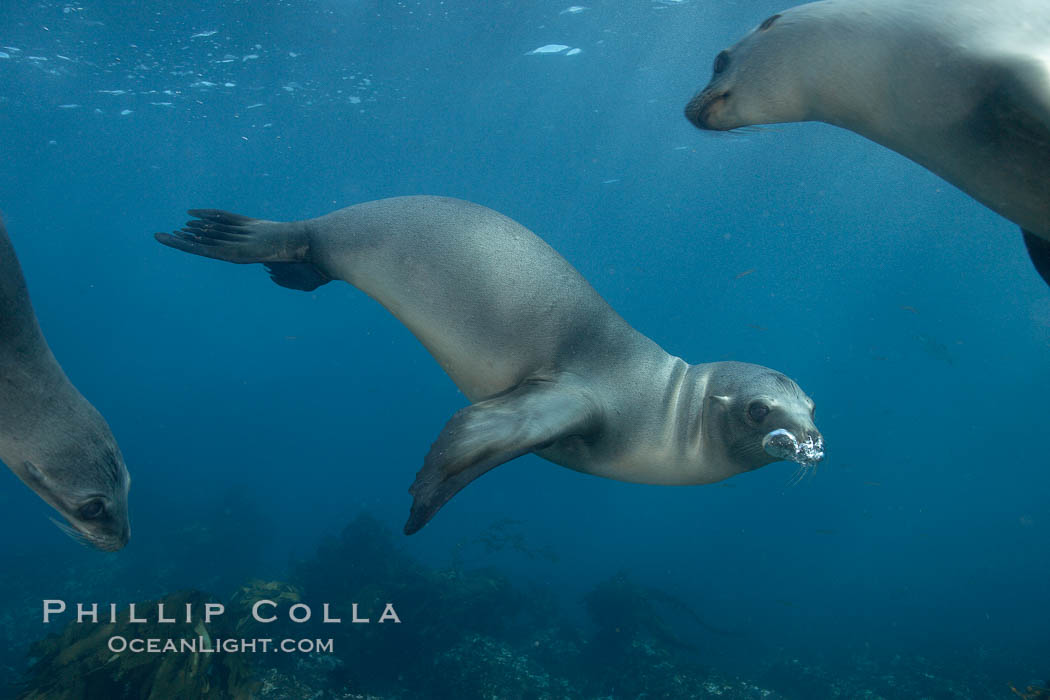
489	433
1039	252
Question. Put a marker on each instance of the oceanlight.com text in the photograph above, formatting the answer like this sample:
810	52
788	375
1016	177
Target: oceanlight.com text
205	645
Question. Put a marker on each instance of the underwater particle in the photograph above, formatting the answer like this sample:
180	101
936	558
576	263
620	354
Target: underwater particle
547	49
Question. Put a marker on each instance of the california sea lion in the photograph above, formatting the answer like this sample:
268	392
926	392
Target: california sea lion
961	87
50	436
549	366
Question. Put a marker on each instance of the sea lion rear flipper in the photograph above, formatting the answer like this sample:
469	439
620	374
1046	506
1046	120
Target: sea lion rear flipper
282	246
489	433
302	276
1039	252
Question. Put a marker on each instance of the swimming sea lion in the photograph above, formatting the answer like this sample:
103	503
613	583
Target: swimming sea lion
50	436
549	366
961	87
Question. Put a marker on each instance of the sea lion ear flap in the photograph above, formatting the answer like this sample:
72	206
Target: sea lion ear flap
720	401
34	473
489	433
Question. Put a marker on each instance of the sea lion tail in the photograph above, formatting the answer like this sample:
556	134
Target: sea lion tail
283	247
1039	252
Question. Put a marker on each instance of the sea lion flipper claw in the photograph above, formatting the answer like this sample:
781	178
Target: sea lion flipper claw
489	433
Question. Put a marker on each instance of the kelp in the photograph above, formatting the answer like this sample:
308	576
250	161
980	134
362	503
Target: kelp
77	664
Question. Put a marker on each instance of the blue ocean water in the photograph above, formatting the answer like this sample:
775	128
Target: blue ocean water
256	420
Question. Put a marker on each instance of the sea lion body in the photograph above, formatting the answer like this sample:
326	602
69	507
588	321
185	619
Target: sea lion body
51	437
550	366
961	87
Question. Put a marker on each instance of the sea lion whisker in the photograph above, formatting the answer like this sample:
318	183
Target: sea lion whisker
74	534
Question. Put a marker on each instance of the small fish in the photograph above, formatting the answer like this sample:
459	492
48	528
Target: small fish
547	49
257	104
574	10
201	35
69	106
125	112
249	57
745	273
826	532
4	55
910	308
873	483
757	327
573	52
936	349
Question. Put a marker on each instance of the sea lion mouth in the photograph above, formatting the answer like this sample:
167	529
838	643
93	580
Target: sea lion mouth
699	108
100	542
783	445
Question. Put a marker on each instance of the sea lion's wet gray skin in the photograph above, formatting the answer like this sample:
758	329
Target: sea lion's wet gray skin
549	366
50	436
961	87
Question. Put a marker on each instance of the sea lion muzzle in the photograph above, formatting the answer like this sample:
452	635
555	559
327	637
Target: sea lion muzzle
783	445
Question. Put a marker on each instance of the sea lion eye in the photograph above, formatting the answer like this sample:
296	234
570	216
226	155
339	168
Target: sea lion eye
758	411
721	62
768	23
92	510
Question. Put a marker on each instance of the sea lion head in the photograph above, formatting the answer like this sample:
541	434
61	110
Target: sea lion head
765	78
82	475
758	416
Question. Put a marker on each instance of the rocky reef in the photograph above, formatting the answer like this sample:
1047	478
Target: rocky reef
468	632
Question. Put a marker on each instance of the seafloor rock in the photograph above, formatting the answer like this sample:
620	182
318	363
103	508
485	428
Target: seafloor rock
482	667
